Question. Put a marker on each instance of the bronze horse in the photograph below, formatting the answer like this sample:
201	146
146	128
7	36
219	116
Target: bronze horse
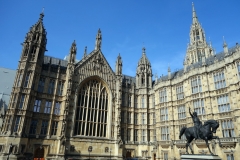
205	132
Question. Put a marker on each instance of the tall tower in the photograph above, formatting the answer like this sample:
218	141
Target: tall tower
118	72
24	88
144	85
198	47
69	89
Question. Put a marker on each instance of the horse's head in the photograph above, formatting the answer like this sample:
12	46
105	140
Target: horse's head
215	125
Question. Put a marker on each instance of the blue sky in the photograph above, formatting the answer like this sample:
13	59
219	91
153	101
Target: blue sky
162	26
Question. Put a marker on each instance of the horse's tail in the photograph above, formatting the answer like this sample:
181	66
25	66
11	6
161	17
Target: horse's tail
182	131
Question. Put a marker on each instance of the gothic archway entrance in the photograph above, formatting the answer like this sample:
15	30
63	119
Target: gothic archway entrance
39	154
128	154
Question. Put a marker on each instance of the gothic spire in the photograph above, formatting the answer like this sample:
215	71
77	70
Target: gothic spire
39	25
195	19
198	45
144	59
98	40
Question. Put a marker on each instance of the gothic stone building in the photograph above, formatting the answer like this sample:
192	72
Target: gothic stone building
79	109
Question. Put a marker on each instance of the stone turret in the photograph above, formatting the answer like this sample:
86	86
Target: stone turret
144	71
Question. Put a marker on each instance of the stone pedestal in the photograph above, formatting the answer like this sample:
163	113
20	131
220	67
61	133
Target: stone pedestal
199	157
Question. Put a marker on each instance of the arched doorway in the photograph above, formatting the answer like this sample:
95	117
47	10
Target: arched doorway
39	154
128	154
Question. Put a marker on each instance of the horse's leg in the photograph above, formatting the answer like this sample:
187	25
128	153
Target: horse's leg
216	137
206	140
187	147
189	143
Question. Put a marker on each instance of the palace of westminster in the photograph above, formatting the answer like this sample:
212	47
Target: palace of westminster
69	109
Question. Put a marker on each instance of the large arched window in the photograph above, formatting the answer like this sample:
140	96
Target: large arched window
91	110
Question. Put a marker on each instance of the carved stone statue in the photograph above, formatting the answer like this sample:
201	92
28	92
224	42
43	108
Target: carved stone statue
200	131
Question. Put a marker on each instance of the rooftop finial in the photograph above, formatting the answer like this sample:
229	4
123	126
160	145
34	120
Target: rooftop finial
85	52
98	40
41	15
143	50
224	42
210	43
73	47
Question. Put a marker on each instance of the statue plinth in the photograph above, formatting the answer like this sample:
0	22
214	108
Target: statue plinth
199	157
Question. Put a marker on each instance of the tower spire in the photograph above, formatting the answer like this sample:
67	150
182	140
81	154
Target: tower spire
194	15
198	45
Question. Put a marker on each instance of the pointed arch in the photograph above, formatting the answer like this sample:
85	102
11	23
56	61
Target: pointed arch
92	108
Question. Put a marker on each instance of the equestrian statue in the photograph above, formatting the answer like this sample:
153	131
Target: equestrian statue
200	131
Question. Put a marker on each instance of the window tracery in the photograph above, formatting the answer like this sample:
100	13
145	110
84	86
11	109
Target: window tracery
92	109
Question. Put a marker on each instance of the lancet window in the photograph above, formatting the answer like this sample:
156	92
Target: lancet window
163	95
179	92
238	66
26	50
92	110
196	84
17	122
219	80
135	135
19	79
33	126
223	103
199	106
27	79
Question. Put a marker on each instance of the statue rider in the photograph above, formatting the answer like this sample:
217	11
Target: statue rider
197	123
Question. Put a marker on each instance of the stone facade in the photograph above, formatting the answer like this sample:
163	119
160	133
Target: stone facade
61	108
